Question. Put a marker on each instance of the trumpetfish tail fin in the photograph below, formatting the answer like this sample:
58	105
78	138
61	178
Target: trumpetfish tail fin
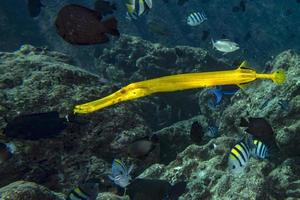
278	76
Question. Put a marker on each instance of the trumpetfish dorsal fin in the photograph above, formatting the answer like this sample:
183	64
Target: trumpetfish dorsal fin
244	65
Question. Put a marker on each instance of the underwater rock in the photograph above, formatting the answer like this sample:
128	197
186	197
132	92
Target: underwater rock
21	190
261	99
42	81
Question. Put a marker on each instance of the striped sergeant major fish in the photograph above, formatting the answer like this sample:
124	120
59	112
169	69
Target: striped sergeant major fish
239	156
196	18
120	174
85	191
138	6
260	150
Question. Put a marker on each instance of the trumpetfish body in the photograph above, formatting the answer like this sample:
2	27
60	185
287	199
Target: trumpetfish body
239	76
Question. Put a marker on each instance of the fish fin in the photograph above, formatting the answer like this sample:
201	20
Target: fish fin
278	76
244	65
111	178
219	95
130	169
142	7
244	122
149	3
130	8
213	42
111	25
243	86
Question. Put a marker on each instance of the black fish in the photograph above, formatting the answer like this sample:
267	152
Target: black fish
35	126
181	2
142	147
105	7
34	7
154	189
259	128
82	26
205	35
196	132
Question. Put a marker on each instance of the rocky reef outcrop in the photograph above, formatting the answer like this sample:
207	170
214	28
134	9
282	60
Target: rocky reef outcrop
38	80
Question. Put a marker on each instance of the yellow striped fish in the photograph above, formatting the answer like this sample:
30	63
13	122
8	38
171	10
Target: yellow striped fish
85	191
260	150
238	157
138	7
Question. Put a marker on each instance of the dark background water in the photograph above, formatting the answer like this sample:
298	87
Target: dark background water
265	29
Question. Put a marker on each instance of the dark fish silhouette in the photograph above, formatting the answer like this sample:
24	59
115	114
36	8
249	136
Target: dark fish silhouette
83	26
260	129
196	132
181	2
34	7
36	126
105	7
142	147
154	189
205	35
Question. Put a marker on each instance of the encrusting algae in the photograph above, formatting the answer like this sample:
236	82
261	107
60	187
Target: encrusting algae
240	76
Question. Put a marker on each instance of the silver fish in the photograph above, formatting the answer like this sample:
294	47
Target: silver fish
225	45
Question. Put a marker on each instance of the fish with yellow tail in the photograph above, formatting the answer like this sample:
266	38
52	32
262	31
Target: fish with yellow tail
240	76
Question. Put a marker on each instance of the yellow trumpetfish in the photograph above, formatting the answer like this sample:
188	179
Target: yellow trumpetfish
239	76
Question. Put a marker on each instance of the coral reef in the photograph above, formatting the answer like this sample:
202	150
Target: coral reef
38	80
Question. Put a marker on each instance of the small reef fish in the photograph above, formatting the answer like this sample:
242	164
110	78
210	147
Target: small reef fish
238	157
34	7
225	45
36	126
79	25
241	75
196	18
155	189
196	132
259	128
142	147
220	91
260	150
85	191
120	174
139	7
6	151
213	131
105	7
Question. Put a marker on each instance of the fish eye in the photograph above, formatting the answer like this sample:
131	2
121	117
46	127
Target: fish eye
233	167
